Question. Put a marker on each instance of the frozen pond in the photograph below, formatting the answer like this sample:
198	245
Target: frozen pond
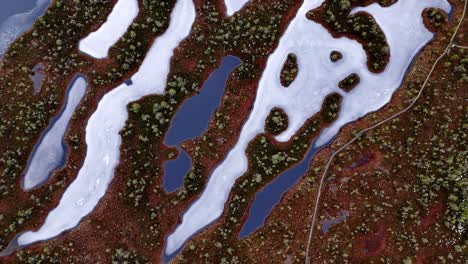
16	17
98	43
317	77
192	119
102	130
50	152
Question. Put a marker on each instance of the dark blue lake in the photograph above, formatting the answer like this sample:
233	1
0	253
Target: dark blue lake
266	199
175	170
192	119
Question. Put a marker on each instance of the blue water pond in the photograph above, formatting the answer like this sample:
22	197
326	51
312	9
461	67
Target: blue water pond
271	195
192	119
176	170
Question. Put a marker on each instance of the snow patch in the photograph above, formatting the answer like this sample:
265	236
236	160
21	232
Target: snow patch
98	43
232	6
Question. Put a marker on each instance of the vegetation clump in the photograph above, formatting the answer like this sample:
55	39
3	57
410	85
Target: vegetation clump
121	255
435	18
193	181
335	56
348	83
276	122
331	107
289	70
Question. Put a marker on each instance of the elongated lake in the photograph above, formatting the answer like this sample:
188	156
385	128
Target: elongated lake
192	119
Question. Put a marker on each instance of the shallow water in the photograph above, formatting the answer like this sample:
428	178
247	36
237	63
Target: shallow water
50	152
329	223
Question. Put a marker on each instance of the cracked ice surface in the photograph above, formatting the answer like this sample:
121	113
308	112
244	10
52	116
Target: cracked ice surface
98	43
50	151
102	131
232	6
317	77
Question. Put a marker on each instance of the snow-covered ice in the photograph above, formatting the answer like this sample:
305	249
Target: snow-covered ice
232	6
98	43
317	77
49	151
102	131
17	24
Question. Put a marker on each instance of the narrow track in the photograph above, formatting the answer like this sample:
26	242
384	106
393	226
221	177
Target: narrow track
360	133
